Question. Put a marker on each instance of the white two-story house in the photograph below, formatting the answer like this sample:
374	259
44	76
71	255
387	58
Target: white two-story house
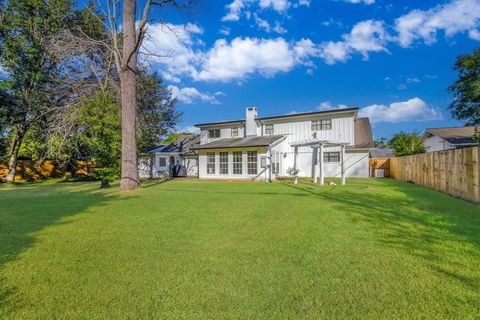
270	147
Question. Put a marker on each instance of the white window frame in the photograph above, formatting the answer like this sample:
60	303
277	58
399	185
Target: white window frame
328	155
210	164
212	133
252	162
322	125
160	162
269	129
234	132
237	155
223	165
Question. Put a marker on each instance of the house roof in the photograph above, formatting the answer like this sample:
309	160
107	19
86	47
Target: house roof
382	153
183	144
363	133
300	114
255	141
454	135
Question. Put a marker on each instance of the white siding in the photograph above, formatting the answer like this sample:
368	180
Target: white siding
435	143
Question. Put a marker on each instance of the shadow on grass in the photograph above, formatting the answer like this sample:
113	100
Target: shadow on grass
28	208
442	230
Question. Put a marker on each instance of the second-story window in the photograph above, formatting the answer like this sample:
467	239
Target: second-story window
215	133
234	132
325	124
269	129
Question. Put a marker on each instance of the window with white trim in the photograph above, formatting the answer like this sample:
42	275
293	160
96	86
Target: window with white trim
237	162
252	162
331	156
210	163
162	162
269	129
324	124
214	133
234	132
223	162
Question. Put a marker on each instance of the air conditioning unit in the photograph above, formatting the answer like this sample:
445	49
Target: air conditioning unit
379	173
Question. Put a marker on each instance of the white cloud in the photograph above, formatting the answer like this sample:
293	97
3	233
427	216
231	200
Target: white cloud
190	95
452	18
237	7
361	1
366	36
245	56
327	105
412	79
224	30
264	25
411	110
189	129
172	46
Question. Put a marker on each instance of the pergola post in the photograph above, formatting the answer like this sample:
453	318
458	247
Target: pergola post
315	164
295	155
320	160
342	155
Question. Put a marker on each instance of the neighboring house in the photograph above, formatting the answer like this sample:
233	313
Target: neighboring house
382	153
264	147
176	159
436	139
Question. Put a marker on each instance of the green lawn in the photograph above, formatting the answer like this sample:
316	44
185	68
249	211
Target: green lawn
211	250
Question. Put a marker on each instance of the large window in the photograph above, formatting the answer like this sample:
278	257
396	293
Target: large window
215	133
223	162
234	132
331	157
269	129
325	124
252	162
210	163
237	163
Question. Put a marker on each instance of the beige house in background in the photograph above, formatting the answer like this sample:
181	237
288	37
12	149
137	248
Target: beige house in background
437	139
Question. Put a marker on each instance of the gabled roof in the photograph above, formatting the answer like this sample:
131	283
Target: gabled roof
256	141
183	144
300	114
363	133
454	135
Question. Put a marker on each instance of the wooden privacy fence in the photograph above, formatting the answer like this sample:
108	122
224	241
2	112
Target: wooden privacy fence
456	172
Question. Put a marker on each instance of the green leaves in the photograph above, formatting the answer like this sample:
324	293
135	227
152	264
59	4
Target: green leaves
406	144
466	90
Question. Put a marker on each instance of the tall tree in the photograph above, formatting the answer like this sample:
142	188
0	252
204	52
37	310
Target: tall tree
126	58
466	89
406	144
26	28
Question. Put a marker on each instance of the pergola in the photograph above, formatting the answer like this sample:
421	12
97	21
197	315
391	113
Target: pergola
318	148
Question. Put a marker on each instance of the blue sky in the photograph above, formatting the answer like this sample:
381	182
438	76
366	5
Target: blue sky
393	59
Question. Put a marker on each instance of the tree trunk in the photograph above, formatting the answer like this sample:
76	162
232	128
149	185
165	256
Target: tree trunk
12	160
130	179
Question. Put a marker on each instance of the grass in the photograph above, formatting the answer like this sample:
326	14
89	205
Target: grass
218	250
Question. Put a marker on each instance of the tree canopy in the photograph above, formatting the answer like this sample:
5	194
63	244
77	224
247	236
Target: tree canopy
465	104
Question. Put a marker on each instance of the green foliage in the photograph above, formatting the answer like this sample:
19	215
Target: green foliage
99	131
381	143
466	90
406	144
373	249
157	113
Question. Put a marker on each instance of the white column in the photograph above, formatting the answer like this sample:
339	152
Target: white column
320	160
342	161
295	155
315	164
